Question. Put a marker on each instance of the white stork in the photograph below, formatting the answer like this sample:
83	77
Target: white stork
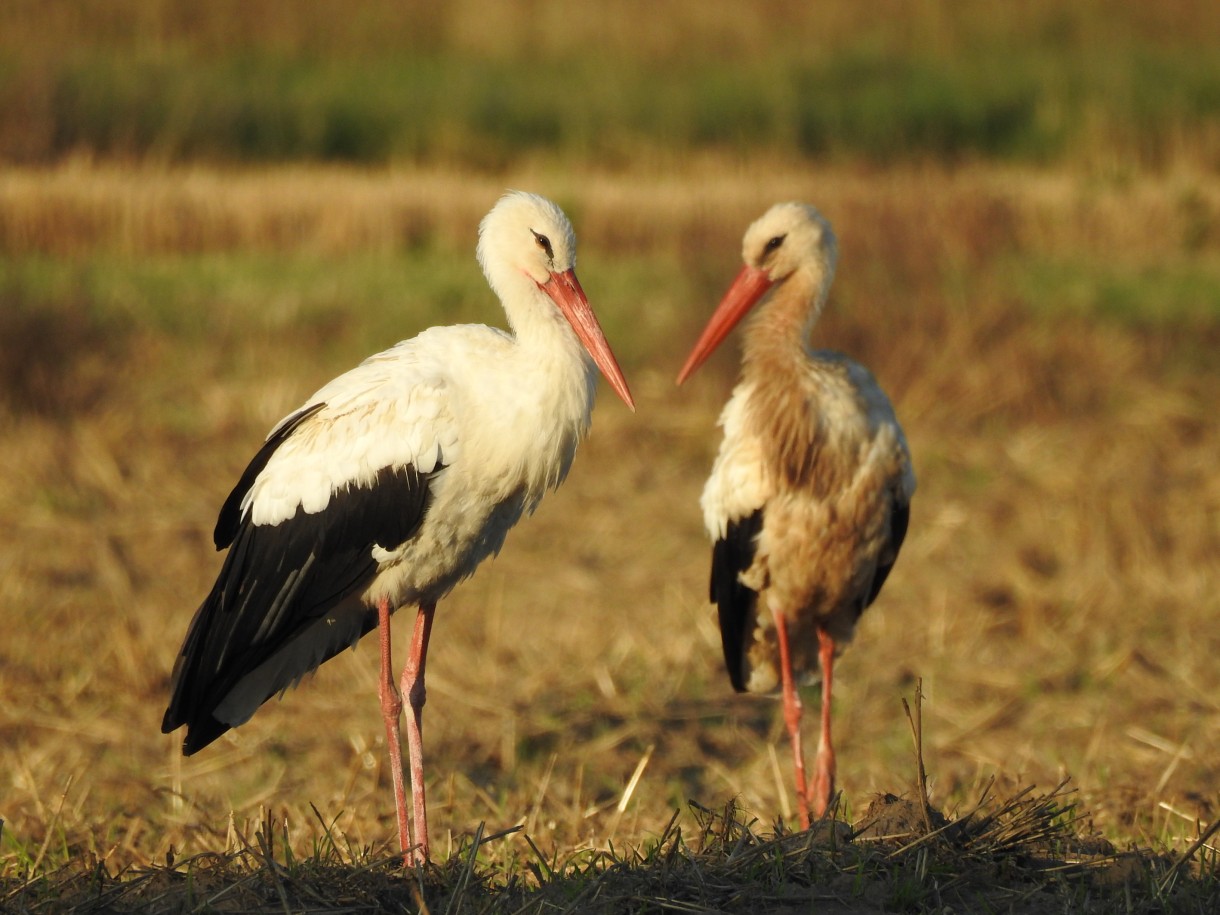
809	497
390	485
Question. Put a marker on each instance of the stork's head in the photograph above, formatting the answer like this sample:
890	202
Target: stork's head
788	239
527	249
525	234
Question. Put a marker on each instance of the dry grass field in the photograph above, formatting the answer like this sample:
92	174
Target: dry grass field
1049	339
208	210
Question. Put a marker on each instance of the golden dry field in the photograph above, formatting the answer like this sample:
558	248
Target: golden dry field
1049	339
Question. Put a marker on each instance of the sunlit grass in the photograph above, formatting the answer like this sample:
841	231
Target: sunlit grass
193	297
1055	593
346	305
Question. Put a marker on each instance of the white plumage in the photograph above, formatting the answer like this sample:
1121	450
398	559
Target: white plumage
392	483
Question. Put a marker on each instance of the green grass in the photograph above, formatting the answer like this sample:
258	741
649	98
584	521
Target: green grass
858	103
1162	295
874	104
394	294
1034	88
68	322
199	297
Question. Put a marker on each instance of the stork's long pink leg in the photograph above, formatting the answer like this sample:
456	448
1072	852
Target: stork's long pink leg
413	688
391	710
792	716
824	779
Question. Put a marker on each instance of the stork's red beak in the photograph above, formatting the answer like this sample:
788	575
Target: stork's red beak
750	285
564	290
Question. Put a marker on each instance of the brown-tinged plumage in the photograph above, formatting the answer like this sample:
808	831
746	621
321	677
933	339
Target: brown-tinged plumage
809	497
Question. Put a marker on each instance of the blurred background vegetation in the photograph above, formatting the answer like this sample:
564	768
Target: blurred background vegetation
482	84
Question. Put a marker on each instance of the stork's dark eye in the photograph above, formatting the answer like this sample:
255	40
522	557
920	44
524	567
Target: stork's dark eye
773	244
544	243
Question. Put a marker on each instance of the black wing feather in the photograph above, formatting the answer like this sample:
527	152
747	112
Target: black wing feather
230	513
279	579
731	556
900	517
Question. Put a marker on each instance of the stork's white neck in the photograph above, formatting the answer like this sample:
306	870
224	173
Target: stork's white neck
534	404
552	359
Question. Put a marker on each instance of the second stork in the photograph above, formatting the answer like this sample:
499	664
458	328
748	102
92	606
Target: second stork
809	497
